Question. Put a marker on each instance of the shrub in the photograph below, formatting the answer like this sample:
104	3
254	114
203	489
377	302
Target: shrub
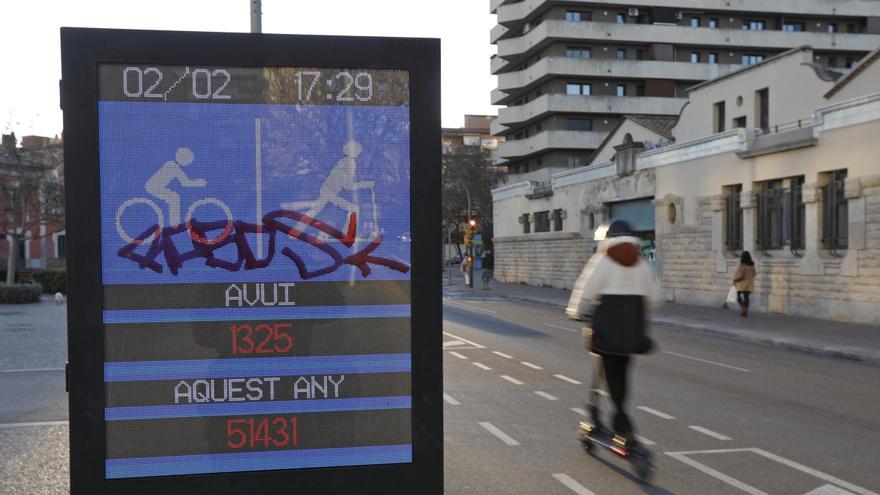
52	280
20	293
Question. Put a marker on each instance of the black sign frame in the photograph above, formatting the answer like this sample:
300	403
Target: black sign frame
82	52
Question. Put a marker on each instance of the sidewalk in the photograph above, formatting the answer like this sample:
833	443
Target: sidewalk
823	337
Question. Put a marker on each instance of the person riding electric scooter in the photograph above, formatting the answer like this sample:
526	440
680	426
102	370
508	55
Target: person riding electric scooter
613	293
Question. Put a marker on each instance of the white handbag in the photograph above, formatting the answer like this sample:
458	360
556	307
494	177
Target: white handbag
731	296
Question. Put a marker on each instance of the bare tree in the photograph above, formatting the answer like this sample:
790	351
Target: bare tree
467	169
31	194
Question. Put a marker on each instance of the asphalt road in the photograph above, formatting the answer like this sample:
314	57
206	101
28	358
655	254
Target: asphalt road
722	417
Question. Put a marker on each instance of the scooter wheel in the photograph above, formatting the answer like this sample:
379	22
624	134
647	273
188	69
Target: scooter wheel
642	467
588	447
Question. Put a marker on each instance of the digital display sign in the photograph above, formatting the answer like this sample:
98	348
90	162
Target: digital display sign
256	262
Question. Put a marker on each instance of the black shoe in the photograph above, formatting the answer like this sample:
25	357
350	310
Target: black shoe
596	417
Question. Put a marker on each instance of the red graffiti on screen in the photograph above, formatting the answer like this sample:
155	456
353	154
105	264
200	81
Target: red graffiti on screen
234	232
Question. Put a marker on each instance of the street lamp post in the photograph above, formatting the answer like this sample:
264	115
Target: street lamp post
256	16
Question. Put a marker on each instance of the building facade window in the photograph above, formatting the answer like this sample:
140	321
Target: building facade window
578	52
578	89
574	15
695	57
542	221
621	54
713	58
835	212
832	61
739	122
713	23
579	124
762	112
524	220
557	220
749	59
621	90
621	18
695	22
718	117
640	54
781	215
733	220
61	247
793	27
753	25
849	62
832	27
640	90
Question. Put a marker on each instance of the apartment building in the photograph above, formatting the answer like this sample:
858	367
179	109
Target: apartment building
569	70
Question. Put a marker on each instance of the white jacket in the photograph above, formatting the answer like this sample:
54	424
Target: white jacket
604	273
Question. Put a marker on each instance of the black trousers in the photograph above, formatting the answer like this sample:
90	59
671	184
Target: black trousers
614	369
743	298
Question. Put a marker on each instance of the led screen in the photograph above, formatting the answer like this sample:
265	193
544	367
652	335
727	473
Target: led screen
255	227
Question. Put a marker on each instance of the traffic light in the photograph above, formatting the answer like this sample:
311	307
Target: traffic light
469	232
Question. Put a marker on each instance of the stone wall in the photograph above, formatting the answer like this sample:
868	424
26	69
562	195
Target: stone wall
842	288
545	259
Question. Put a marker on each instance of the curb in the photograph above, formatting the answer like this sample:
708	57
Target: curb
777	343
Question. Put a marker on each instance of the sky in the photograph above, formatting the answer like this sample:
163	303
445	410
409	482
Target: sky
31	54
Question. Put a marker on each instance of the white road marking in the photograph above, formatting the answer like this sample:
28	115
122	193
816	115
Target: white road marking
36	423
706	431
829	490
567	379
472	308
683	457
717	474
504	437
450	399
453	343
512	380
506	356
478	346
458	355
645	441
530	365
655	412
560	328
481	366
573	485
580	411
818	474
685	356
545	395
32	370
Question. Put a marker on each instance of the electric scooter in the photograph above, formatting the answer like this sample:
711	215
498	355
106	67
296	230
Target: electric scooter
593	435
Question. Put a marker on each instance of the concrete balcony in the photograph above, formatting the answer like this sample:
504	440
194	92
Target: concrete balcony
496	64
497	33
549	104
548	140
497	95
551	67
517	12
548	32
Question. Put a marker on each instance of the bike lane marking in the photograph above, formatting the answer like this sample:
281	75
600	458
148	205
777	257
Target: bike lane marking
655	412
573	485
450	399
512	380
481	366
505	356
530	365
504	437
458	355
567	379
545	395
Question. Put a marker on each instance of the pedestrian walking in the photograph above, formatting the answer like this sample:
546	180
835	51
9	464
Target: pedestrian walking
612	292
744	281
463	267
488	268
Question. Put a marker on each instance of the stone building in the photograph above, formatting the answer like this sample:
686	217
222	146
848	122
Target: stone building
778	158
